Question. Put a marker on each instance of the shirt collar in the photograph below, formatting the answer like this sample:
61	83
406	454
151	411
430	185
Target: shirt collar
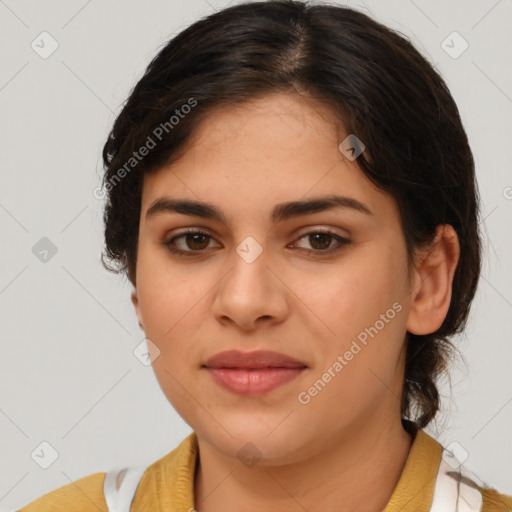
414	491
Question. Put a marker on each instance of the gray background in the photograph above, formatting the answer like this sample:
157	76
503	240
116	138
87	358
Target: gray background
69	377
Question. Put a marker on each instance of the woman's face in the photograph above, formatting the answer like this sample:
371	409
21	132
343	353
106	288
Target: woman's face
264	277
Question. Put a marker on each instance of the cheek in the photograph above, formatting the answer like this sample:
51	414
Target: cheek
364	305
168	297
352	295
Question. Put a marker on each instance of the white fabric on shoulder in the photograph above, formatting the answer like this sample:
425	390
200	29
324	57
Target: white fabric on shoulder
455	489
119	487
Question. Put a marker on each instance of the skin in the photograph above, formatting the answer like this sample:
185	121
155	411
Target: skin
347	445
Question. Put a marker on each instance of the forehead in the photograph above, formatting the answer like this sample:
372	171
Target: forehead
270	150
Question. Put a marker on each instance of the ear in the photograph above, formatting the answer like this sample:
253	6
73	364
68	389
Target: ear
135	302
433	277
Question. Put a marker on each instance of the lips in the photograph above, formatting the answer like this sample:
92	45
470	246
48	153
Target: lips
253	373
253	360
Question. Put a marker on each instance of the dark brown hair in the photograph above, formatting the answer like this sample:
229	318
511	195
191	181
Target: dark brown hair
384	91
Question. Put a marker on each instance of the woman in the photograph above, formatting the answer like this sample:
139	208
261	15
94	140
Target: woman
292	195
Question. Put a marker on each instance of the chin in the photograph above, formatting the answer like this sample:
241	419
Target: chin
250	442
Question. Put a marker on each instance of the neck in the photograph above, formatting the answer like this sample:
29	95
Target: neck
361	466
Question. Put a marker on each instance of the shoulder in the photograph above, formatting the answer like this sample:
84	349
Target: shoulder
462	490
84	495
169	480
451	484
494	501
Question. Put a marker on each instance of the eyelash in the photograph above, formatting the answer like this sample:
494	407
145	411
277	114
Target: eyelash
341	243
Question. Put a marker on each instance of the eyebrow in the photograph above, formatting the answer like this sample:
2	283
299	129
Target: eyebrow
280	213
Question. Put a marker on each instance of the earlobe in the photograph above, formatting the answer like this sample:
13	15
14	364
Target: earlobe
135	302
433	282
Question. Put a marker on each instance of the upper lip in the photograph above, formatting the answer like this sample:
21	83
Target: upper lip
255	359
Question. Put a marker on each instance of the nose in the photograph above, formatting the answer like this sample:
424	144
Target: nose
251	293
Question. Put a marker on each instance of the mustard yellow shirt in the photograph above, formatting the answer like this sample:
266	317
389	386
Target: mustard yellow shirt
168	485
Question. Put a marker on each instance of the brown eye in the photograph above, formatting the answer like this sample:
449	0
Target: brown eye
196	241
321	242
189	243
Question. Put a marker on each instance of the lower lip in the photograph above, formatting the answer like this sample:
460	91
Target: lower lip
253	382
